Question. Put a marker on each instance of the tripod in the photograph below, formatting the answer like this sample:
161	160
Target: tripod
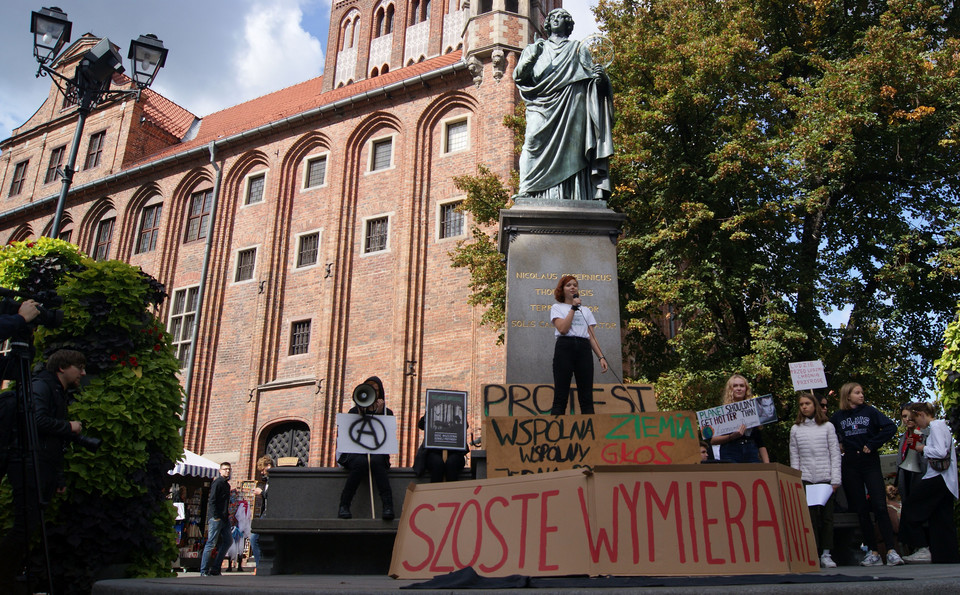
23	467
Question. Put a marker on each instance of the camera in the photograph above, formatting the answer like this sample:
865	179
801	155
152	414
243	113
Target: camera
87	442
50	315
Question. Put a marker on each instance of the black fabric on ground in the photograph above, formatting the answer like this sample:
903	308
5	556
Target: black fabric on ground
467	578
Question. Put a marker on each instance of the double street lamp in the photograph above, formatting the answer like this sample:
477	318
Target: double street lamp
90	85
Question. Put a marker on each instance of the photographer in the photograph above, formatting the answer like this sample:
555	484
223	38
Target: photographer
11	324
63	372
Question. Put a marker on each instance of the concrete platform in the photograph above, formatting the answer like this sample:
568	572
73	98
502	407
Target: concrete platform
940	579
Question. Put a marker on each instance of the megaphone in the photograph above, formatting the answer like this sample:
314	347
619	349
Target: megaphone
911	462
365	395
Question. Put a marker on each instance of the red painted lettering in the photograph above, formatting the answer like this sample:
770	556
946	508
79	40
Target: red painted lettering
772	522
443	540
707	521
524	499
477	534
603	540
545	529
416	531
496	533
736	519
632	505
801	494
691	518
673	495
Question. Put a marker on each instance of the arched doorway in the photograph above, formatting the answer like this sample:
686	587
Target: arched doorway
290	439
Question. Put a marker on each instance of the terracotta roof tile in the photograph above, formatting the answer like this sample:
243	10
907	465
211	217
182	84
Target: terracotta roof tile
288	102
166	114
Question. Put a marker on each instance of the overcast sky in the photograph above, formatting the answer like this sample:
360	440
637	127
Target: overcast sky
222	52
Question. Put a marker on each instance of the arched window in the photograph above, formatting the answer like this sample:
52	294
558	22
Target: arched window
388	24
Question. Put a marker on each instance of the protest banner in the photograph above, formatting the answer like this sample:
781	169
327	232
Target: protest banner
537	399
807	375
445	419
673	520
367	434
728	418
539	444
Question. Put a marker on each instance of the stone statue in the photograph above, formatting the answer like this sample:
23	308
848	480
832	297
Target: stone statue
569	118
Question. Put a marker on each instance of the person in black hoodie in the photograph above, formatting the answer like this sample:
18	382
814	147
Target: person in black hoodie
862	430
356	464
63	372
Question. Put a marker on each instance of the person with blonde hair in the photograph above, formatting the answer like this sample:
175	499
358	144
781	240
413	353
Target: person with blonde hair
743	445
862	429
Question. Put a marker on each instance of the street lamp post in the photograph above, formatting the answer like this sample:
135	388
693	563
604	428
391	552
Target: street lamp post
90	85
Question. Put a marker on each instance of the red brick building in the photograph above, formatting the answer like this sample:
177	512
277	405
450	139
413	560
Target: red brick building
304	234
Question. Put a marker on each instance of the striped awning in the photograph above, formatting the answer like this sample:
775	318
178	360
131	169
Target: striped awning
193	465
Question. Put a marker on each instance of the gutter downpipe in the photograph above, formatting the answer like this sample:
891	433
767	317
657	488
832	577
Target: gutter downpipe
207	252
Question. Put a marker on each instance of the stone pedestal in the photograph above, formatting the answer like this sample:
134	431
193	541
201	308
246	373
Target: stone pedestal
542	243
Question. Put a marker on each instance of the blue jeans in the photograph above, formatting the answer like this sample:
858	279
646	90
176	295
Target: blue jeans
218	535
255	548
743	450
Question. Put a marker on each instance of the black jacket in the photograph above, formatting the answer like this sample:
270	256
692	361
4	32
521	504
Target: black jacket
219	501
50	409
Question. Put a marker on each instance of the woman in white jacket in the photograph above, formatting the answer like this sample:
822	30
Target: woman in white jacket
932	499
815	452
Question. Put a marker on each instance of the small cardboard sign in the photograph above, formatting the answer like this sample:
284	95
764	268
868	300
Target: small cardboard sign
539	444
537	399
808	375
367	434
728	418
673	520
446	419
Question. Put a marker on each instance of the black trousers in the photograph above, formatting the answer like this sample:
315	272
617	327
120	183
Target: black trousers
448	470
859	471
931	502
572	356
908	485
356	466
26	514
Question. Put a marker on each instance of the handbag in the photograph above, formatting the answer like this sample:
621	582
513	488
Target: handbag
939	465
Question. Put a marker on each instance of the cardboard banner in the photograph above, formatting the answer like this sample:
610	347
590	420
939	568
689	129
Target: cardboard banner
538	444
807	375
537	399
367	434
445	419
726	419
676	520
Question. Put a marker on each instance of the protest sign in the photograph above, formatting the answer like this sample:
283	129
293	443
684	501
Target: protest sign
537	399
728	418
539	444
807	375
367	434
446	419
672	520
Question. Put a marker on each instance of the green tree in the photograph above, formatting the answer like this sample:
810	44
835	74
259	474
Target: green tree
779	160
114	510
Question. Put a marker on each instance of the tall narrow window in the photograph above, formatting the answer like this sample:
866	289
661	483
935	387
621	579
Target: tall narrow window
375	239
451	220
95	149
308	249
101	248
255	189
316	172
456	136
182	317
199	218
149	229
56	160
382	154
246	261
300	337
19	176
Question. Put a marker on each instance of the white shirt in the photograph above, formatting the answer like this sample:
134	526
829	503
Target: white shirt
578	328
939	446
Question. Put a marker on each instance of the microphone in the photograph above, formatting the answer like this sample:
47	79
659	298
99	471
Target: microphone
576	296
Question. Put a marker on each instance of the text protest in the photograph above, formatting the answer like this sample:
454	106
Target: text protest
537	399
728	418
539	444
678	520
807	375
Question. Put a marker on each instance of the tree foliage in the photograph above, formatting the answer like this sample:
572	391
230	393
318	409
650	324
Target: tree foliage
114	510
779	160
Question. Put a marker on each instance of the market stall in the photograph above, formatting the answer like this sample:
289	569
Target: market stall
190	485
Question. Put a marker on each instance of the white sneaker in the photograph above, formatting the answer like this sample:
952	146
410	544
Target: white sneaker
827	562
871	559
894	559
921	556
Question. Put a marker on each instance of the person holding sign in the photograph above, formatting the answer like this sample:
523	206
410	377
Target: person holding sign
743	445
814	450
862	430
572	352
356	464
932	499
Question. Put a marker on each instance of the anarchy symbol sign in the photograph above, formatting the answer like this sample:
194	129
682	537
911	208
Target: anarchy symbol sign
367	434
